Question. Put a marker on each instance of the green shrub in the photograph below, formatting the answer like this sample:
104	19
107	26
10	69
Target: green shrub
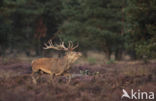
91	60
111	61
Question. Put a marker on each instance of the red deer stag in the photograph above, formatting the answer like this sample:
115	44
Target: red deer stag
56	66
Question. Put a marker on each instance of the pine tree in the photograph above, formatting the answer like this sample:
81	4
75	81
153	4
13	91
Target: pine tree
141	27
95	24
31	22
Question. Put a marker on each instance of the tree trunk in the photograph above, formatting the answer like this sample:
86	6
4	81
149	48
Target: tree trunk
133	55
108	54
118	54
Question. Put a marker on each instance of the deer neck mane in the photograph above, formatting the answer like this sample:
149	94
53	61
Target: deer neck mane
69	60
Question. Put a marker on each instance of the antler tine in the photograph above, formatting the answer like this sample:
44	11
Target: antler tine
62	43
75	46
69	45
45	45
62	46
49	45
50	42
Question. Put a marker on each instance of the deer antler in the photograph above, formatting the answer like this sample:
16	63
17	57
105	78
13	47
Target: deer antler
71	46
60	46
50	45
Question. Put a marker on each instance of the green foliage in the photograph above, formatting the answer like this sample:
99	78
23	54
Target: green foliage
92	60
112	26
5	30
141	27
21	18
111	61
95	24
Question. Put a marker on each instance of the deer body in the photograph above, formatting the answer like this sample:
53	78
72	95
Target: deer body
56	66
49	65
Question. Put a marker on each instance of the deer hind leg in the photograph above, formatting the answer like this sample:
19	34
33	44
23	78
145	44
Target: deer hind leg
32	75
33	78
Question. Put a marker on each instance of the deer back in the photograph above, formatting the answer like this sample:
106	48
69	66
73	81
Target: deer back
50	65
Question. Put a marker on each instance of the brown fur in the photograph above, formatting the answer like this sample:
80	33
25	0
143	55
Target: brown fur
55	66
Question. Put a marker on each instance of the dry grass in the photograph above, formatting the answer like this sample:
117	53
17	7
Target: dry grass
102	82
98	80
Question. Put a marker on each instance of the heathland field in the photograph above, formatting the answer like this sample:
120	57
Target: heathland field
90	81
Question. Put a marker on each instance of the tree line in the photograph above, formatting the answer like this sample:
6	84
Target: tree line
111	26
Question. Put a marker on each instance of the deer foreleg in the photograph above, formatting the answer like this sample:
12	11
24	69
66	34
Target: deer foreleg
52	75
59	73
69	77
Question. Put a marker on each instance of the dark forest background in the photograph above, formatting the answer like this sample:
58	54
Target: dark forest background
111	26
